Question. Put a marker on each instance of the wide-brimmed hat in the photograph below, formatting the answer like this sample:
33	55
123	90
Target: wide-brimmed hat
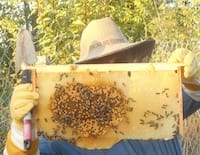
102	39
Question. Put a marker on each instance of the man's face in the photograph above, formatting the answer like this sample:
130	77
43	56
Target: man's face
122	57
114	59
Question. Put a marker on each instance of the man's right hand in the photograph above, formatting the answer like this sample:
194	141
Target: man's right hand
22	101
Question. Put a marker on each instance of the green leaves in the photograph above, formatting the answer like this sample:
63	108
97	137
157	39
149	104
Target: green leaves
57	25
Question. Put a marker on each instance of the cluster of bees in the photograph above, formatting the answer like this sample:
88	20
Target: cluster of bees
90	110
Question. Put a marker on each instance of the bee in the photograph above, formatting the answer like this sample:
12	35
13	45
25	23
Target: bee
164	106
129	109
129	73
131	99
73	79
73	67
45	119
174	125
91	73
62	75
156	126
123	84
142	121
121	133
39	133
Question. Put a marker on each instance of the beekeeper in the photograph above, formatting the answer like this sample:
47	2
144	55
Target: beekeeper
103	42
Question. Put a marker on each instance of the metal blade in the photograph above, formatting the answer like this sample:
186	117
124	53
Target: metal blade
25	50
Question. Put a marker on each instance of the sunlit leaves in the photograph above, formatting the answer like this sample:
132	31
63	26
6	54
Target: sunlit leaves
57	24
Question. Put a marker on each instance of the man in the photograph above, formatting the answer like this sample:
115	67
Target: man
103	42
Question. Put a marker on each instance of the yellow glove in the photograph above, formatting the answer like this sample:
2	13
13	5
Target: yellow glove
22	101
191	67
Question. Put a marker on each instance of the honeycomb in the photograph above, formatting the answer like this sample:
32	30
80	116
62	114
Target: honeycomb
89	110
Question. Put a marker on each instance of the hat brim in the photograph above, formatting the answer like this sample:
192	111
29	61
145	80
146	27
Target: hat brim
133	51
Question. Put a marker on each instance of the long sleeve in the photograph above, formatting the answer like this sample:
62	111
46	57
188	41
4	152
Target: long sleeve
191	101
12	149
15	143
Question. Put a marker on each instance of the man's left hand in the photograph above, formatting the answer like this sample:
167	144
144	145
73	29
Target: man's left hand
191	67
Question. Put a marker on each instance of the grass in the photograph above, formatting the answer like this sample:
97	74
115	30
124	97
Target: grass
4	125
191	137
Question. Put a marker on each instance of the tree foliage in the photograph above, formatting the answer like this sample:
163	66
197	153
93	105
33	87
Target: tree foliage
10	20
57	24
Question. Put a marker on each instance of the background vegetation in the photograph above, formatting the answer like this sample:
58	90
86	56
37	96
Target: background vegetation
56	26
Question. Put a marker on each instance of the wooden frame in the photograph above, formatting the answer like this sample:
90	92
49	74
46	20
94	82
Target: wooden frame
154	93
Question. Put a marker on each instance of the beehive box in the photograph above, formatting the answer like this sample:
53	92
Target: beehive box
95	106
